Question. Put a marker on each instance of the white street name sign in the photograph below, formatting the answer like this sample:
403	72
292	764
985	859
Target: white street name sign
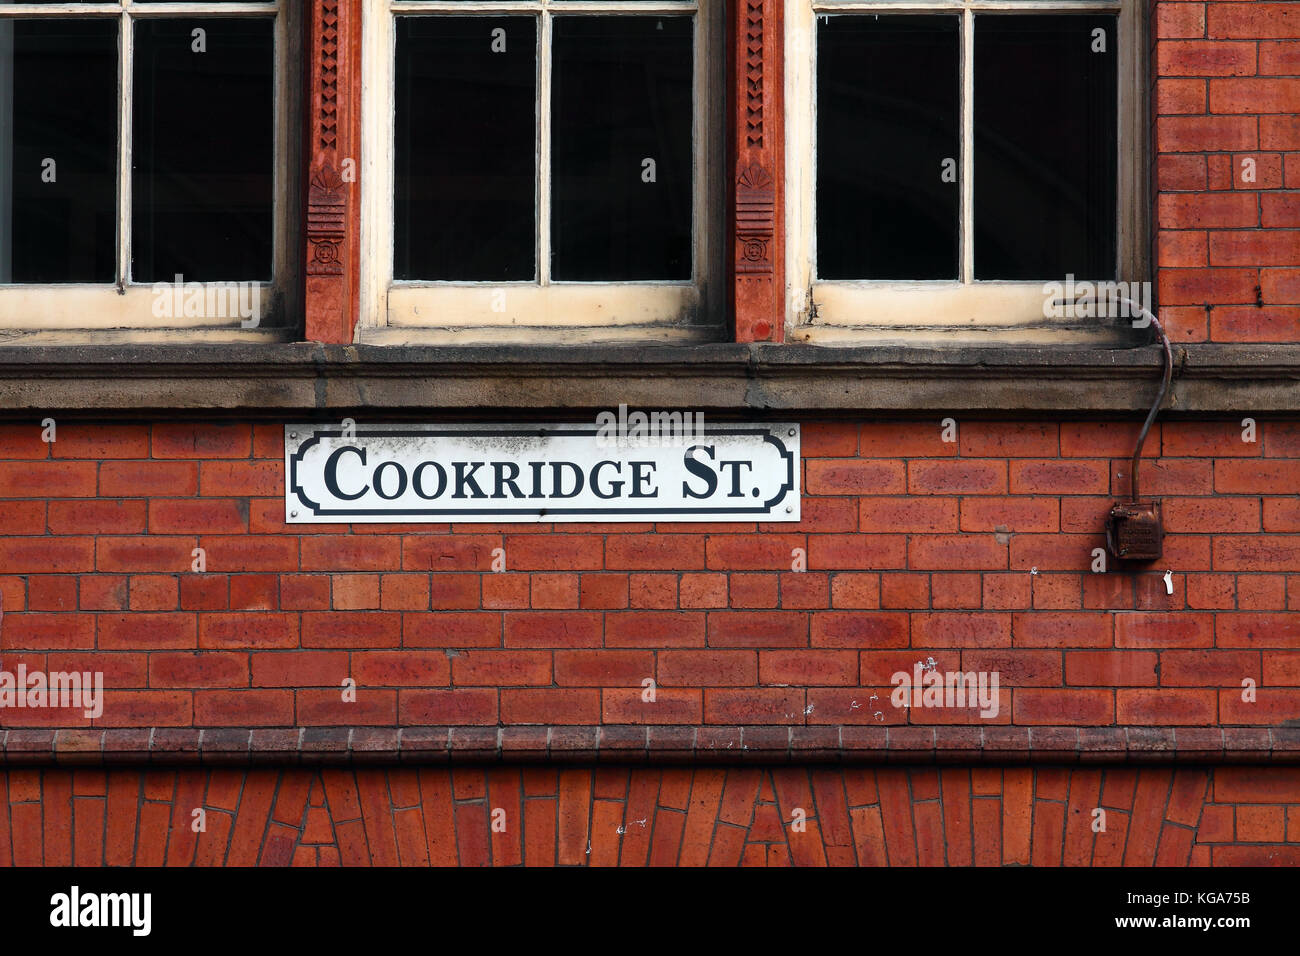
352	473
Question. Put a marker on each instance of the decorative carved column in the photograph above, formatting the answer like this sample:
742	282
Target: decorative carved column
757	170
333	156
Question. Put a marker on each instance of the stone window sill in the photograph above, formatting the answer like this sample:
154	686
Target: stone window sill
279	379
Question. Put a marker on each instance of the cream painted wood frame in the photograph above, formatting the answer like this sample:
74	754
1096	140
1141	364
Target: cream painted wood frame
127	305
841	312
543	309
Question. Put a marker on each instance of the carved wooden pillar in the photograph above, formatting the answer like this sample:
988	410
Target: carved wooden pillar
757	225
333	157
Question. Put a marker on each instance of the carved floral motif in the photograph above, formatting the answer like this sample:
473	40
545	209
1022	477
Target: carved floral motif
755	220
326	220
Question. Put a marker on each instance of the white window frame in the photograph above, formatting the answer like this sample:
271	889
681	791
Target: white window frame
840	311
542	309
125	309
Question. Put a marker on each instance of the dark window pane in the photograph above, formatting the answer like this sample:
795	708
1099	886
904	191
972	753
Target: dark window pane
888	147
203	149
621	140
465	148
58	150
1045	146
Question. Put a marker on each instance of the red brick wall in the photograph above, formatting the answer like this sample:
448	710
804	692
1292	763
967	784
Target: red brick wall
976	553
659	816
1228	250
915	548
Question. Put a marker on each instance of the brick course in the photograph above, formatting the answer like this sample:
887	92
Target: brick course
620	816
988	558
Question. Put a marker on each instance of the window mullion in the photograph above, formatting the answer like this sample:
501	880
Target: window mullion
967	146
544	150
126	84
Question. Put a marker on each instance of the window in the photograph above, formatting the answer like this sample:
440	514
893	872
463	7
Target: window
557	171
537	168
144	165
948	158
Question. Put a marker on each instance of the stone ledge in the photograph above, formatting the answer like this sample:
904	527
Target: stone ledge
275	380
627	744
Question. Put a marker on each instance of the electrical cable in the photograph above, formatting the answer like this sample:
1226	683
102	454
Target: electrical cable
1160	398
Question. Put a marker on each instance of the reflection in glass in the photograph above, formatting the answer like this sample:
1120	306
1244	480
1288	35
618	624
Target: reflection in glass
465	148
58	150
888	147
621	167
203	149
1045	146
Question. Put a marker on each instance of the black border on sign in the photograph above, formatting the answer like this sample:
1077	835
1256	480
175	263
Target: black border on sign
523	431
